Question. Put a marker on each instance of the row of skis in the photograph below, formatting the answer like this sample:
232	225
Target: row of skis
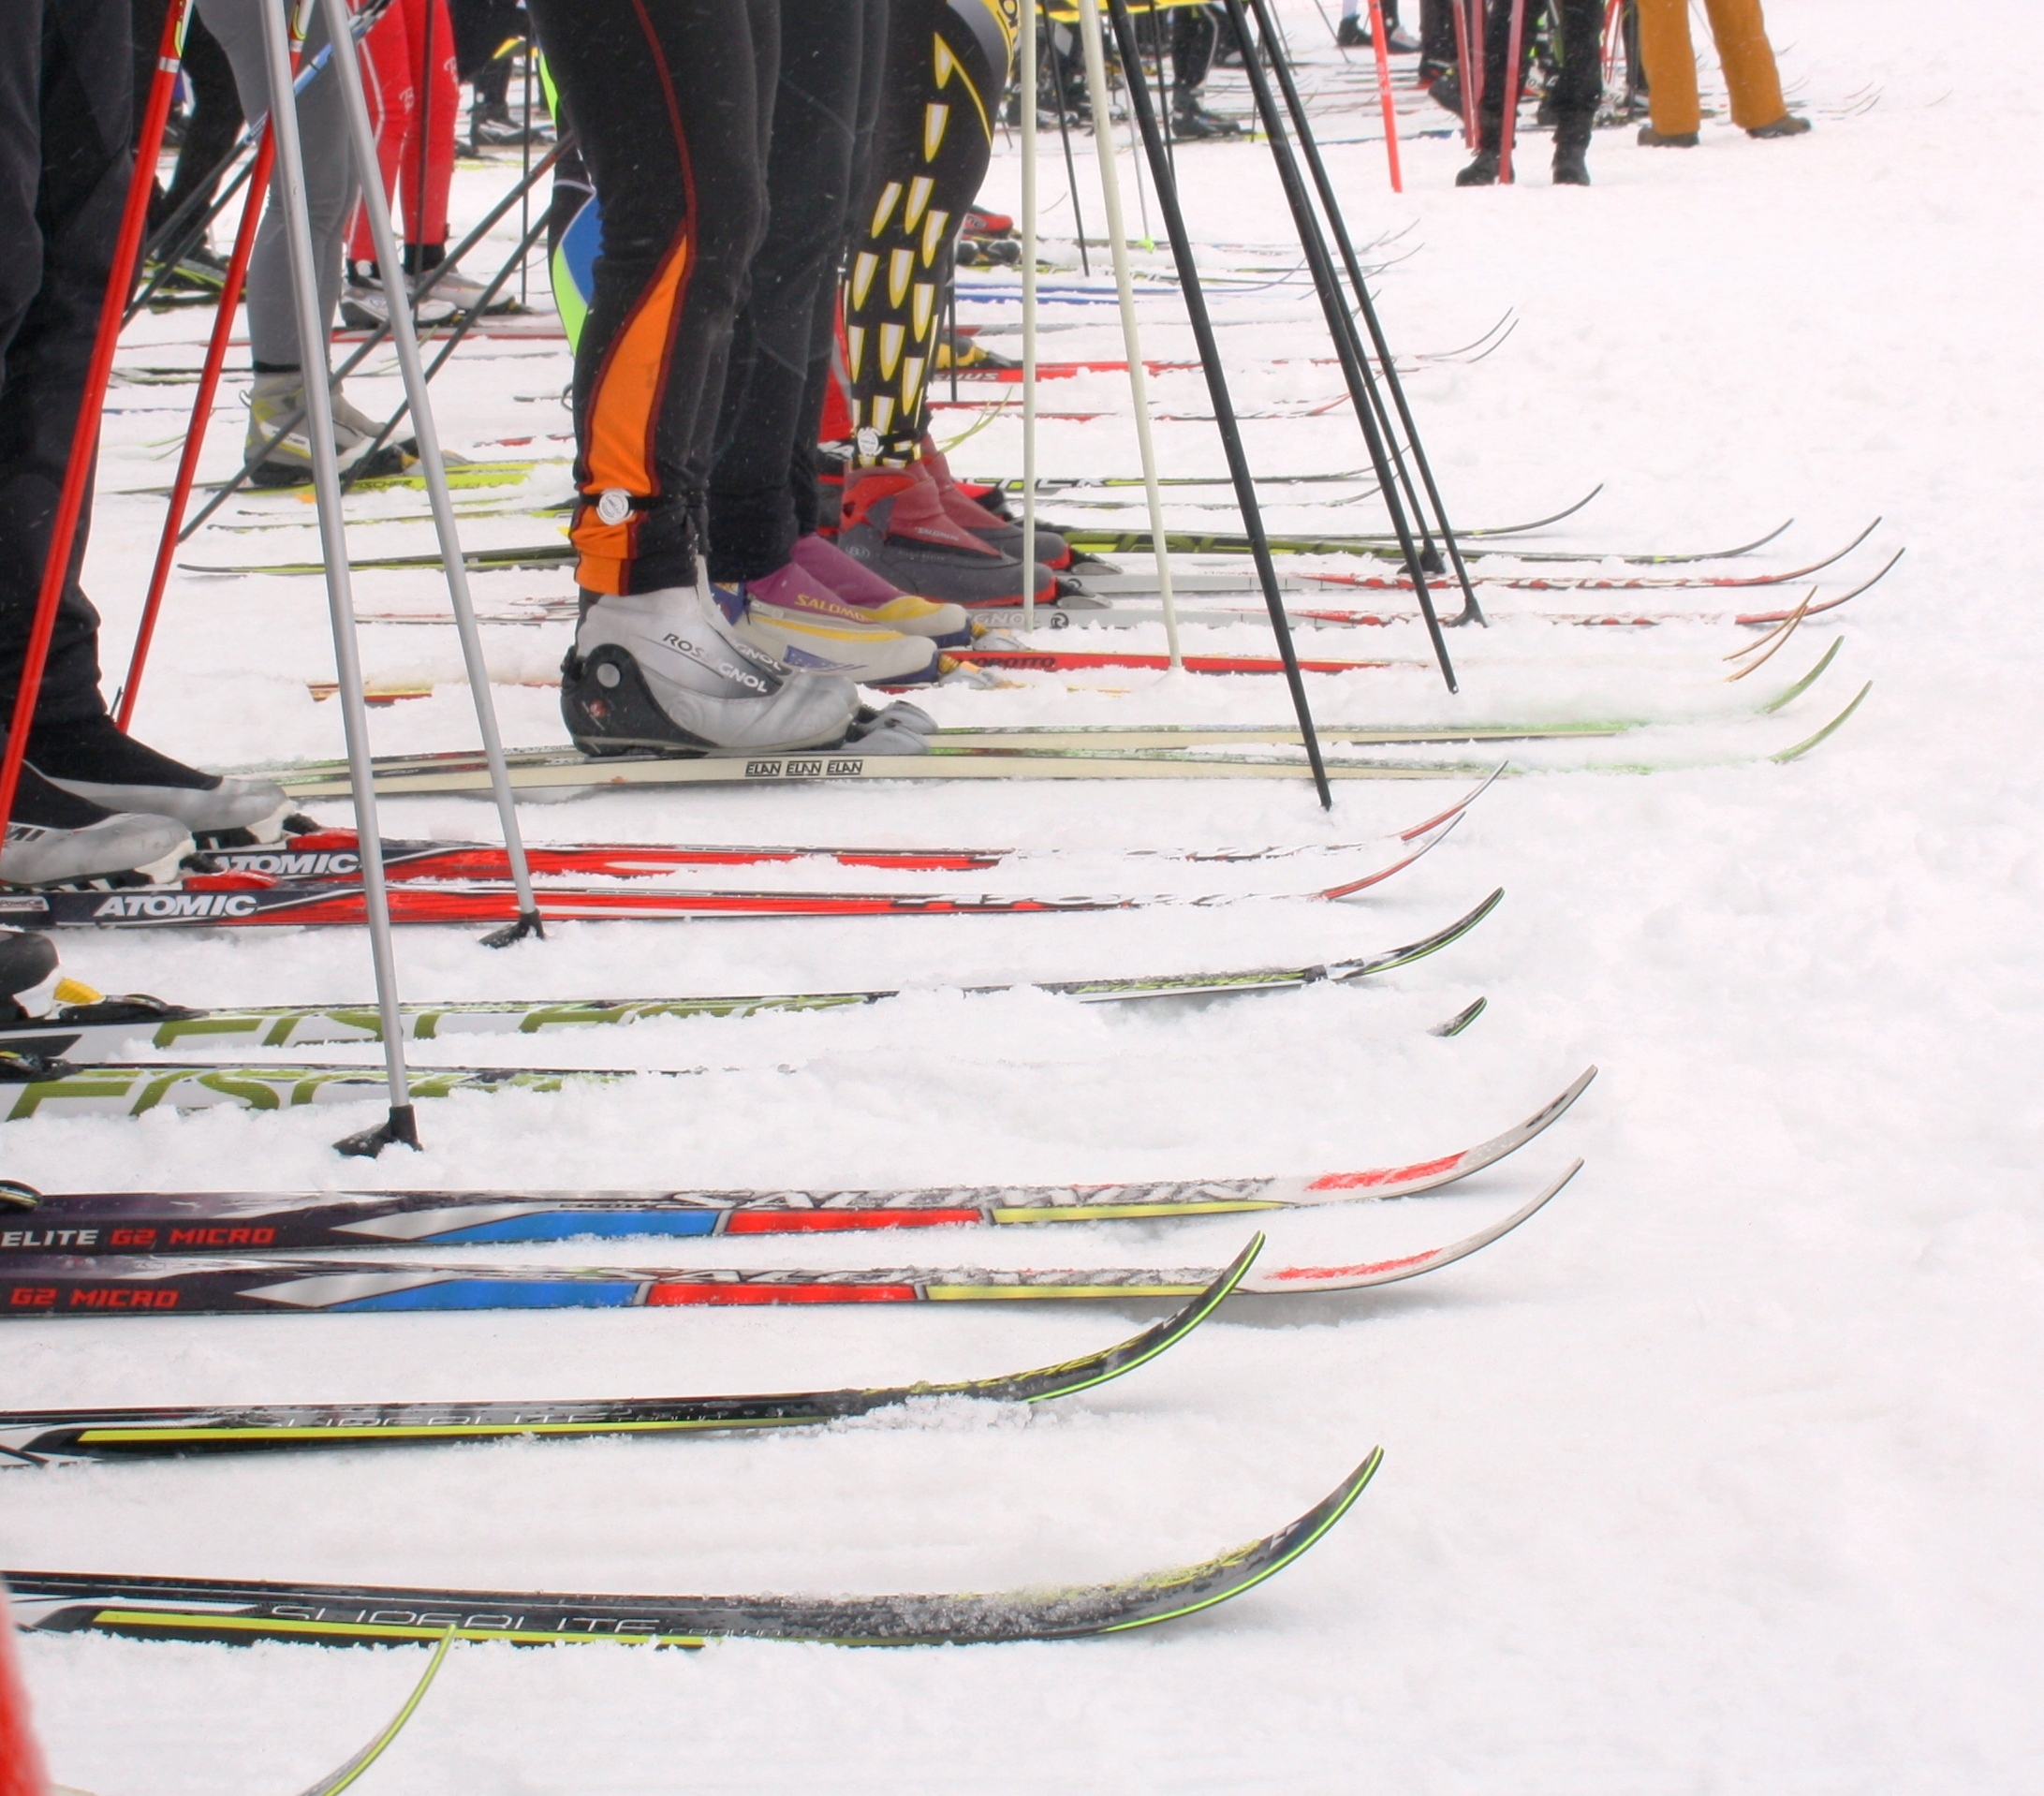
87	1254
161	1254
166	1254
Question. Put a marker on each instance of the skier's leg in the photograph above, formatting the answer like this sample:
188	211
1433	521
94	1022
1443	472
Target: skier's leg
946	67
1670	62
791	611
1579	86
809	165
1748	59
430	170
216	115
91	800
273	311
665	97
1196	34
389	60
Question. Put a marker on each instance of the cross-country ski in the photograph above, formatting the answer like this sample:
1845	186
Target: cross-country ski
43	1438
66	1223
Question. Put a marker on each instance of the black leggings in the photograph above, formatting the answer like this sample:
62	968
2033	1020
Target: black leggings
763	480
215	120
1578	43
64	174
671	102
946	69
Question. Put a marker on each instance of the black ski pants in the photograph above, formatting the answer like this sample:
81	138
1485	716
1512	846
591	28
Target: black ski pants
65	105
215	120
671	102
763	480
1578	33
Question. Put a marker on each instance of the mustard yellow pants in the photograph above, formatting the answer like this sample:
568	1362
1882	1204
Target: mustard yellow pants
1742	48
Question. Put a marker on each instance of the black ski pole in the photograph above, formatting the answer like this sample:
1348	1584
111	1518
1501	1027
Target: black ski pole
1430	558
1472	613
1209	361
1065	131
1341	329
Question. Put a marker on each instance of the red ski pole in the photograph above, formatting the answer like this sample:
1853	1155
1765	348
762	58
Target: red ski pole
22	1771
1511	91
1384	88
195	439
1469	76
1478	67
85	436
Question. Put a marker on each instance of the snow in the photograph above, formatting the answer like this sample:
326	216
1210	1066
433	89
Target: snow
1719	1474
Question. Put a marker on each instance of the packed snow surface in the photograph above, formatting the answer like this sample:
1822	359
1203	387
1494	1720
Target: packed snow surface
1720	1474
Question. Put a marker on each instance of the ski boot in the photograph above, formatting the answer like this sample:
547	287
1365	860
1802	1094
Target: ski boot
27	957
995	532
894	523
1787	126
1349	34
55	837
853	584
1191	121
797	620
1651	139
288	462
669	671
1572	158
93	759
1483	172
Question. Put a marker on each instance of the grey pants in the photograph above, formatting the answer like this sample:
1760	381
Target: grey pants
329	180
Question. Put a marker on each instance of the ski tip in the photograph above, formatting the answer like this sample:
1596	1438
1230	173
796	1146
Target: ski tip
1091	1369
1796	691
1362	1276
1207	1585
1460	1020
1418	843
1837	723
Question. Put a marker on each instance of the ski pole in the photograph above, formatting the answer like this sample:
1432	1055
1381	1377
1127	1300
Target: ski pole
77	471
1125	295
1347	346
1384	91
1510	123
1026	56
195	438
1216	377
355	102
1468	82
1479	65
401	1125
1295	106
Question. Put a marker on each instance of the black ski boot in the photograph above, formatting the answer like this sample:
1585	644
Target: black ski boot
1787	126
1192	121
1571	160
1483	172
1351	35
1651	139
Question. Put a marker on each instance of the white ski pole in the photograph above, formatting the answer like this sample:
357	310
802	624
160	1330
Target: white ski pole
401	1126
1028	51
1110	194
397	296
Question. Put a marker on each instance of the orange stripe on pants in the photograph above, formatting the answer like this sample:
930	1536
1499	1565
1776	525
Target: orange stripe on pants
1742	49
624	414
